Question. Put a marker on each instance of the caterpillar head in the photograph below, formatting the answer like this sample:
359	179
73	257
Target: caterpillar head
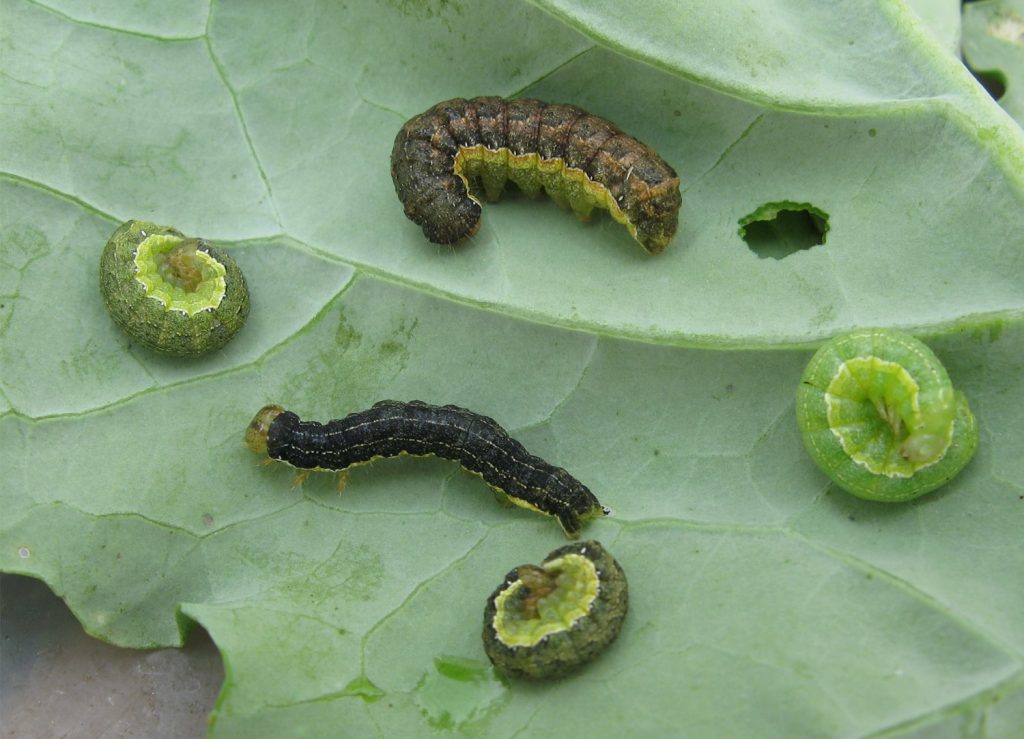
259	428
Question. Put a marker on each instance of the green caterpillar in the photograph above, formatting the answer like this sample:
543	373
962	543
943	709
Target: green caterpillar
172	294
879	415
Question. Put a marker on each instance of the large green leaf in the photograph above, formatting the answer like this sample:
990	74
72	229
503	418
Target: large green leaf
764	601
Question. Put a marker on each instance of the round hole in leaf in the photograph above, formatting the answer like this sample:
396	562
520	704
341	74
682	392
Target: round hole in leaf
993	80
781	228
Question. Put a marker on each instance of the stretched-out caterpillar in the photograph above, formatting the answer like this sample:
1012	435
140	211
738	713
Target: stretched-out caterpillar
446	157
546	621
172	294
390	428
879	415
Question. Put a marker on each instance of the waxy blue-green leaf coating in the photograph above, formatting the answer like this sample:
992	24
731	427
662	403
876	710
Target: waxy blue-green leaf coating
764	601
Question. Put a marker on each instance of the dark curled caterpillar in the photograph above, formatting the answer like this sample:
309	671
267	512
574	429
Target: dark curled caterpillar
445	158
547	621
392	427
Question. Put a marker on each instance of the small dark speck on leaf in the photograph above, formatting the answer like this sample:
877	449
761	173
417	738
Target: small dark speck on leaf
207	520
852	518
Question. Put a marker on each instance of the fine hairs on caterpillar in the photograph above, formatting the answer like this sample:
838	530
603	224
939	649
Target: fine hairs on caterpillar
446	158
390	428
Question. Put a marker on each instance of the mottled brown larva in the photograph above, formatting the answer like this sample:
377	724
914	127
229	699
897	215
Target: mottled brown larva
445	158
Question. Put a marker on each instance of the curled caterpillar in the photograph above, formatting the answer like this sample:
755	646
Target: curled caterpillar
392	427
546	621
879	415
445	158
172	294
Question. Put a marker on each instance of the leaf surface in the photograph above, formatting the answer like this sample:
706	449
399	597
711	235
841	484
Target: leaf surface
764	601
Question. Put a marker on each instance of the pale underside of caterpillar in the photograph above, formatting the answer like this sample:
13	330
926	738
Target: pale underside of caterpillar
445	158
391	428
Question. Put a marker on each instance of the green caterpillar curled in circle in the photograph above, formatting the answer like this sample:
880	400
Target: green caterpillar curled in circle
446	158
879	416
548	620
172	294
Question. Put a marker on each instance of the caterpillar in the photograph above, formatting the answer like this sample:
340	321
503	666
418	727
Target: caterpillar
547	621
172	294
390	428
879	415
444	159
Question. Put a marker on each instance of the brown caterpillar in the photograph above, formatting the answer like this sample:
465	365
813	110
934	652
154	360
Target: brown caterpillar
445	158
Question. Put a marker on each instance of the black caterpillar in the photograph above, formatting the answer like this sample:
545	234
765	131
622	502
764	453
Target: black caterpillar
391	428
